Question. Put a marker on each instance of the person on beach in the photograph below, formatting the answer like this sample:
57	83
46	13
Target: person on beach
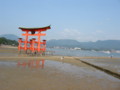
111	56
62	58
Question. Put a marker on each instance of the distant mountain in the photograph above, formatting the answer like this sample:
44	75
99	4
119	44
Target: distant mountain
105	44
98	45
63	43
10	36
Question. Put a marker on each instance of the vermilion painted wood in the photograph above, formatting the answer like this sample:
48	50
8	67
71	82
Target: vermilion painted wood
31	44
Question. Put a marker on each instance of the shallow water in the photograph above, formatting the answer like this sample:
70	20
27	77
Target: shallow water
59	66
54	74
82	53
110	64
7	54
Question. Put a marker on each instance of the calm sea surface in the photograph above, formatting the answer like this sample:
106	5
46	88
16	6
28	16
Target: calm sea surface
67	52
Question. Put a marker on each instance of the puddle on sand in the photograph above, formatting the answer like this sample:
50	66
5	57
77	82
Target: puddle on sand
110	64
78	72
54	66
7	64
48	70
31	64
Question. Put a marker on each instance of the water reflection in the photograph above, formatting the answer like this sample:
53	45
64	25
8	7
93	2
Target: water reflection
31	63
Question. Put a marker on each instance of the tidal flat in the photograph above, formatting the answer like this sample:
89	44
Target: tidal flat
51	73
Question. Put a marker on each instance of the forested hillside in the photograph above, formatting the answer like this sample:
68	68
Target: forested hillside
4	41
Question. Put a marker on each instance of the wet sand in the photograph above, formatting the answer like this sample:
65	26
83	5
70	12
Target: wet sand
54	76
109	64
57	74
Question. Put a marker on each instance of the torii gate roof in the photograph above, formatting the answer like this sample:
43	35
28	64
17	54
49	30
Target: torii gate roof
35	28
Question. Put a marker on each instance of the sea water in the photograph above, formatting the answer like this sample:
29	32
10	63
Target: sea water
82	53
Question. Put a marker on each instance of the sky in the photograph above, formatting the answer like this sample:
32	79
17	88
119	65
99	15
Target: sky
82	20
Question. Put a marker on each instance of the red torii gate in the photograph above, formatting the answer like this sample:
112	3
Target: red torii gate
30	45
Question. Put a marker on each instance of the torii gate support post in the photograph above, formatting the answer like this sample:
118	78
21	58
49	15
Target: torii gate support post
44	45
20	44
39	33
33	45
26	42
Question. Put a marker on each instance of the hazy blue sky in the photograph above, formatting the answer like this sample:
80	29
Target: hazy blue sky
82	20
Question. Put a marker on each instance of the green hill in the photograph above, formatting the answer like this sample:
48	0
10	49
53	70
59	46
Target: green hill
10	36
4	41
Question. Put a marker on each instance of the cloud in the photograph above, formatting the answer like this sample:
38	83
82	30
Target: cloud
98	32
80	35
70	34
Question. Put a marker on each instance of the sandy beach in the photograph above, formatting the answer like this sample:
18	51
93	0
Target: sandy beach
57	73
